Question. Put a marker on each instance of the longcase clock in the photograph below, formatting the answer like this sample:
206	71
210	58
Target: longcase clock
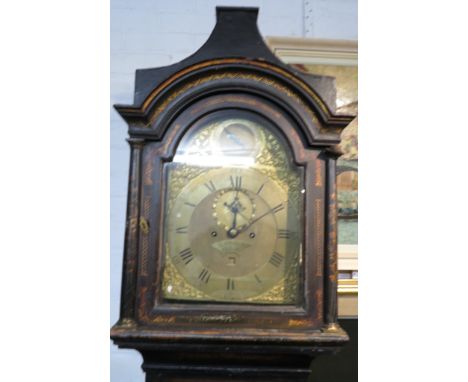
230	247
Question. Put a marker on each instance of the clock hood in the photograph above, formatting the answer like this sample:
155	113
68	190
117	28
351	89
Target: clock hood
234	45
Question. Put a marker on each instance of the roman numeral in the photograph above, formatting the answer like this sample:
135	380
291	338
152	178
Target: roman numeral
278	208
230	284
190	204
283	234
236	182
182	229
204	275
276	259
186	255
210	186
258	279
260	189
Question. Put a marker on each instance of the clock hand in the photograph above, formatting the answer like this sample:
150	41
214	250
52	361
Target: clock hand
235	204
270	211
234	220
257	219
232	209
232	232
245	217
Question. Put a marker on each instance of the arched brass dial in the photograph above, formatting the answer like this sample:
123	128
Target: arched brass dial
233	214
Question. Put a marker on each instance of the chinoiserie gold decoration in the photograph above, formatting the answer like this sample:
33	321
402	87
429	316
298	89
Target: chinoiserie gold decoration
144	226
231	61
234	75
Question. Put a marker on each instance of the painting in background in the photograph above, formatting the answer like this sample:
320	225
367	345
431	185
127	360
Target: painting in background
347	167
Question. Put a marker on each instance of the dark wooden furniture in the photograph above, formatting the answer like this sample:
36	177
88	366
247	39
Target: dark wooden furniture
234	70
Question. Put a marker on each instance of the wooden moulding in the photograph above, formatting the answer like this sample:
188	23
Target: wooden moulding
294	50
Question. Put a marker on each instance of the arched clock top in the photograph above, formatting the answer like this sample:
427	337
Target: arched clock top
234	59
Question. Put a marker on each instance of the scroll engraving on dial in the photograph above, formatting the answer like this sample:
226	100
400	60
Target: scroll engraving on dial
233	217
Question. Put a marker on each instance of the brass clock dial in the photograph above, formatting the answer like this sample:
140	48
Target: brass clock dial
233	232
232	242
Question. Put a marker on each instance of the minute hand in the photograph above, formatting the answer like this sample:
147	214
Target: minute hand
279	207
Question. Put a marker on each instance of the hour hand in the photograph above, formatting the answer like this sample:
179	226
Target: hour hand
233	232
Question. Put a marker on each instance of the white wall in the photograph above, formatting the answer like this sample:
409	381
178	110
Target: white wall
151	33
332	19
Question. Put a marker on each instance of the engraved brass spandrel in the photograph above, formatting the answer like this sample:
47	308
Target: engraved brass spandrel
285	292
175	284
